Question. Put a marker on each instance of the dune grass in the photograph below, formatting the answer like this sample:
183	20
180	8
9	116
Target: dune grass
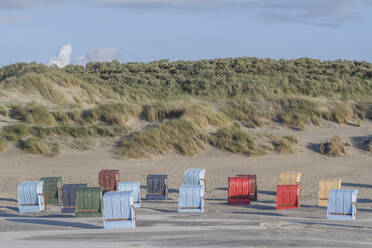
247	113
33	113
363	109
113	113
2	144
298	112
182	136
204	116
285	145
33	145
4	111
15	132
334	147
234	139
342	113
161	111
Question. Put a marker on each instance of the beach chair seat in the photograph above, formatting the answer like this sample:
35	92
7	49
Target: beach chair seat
88	202
290	177
342	204
119	210
52	189
191	199
325	186
252	186
195	176
108	180
157	187
239	190
288	196
30	197
69	197
133	187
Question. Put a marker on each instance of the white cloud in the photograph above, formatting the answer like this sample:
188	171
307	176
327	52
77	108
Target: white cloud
99	55
63	57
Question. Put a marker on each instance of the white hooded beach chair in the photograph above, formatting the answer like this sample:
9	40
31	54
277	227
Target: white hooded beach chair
342	204
30	197
118	210
195	176
133	187
191	199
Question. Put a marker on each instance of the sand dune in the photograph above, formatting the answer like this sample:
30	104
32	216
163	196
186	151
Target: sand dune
159	223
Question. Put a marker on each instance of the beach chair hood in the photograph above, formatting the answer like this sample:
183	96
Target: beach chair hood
133	187
119	211
342	204
191	199
30	197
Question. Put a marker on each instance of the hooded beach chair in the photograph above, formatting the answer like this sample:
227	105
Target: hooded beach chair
290	177
252	186
157	187
88	202
133	187
325	186
342	204
30	197
119	211
191	199
239	190
52	189
108	180
69	197
288	196
195	176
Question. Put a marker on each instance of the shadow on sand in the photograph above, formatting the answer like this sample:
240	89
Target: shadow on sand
55	223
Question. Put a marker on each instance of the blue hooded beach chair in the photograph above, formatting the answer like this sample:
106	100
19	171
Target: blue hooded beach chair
191	199
30	197
118	210
195	176
342	204
133	187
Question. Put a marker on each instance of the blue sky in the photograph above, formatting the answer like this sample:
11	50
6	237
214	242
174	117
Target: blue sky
147	30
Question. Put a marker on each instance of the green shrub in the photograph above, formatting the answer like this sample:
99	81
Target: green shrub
2	144
245	112
33	114
113	113
4	111
342	113
298	112
333	148
161	111
33	145
234	140
183	136
15	132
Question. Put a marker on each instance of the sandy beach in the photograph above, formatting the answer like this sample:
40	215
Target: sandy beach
160	225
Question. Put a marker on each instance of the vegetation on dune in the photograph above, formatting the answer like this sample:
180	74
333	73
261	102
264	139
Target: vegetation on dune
249	114
182	101
33	113
334	147
114	113
4	111
182	136
2	144
161	111
234	140
33	145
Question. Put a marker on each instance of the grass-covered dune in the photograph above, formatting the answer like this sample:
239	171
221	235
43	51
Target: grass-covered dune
184	105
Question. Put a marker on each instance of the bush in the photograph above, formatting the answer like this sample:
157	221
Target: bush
333	148
183	136
33	145
204	116
161	111
245	112
4	111
2	144
285	144
234	140
15	132
342	113
33	114
298	112
363	110
114	113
